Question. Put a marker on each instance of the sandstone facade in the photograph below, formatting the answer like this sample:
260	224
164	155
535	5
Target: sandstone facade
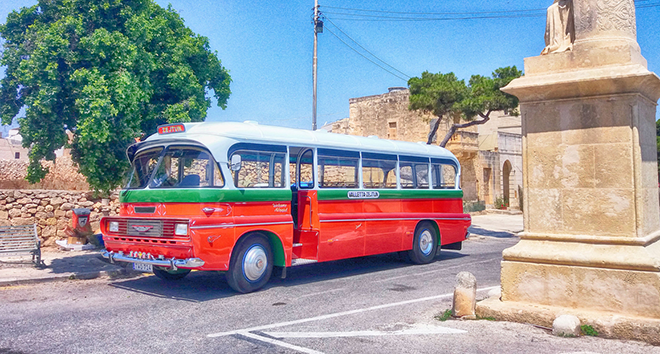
490	154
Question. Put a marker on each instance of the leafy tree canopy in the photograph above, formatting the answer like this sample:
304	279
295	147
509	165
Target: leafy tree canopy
445	96
110	71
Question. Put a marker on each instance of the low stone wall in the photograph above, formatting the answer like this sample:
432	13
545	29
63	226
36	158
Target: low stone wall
52	210
63	175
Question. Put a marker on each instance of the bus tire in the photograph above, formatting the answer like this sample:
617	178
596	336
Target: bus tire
170	275
251	264
425	244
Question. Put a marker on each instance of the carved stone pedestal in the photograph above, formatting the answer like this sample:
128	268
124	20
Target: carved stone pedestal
591	245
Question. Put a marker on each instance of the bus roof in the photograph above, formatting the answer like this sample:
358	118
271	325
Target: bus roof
219	136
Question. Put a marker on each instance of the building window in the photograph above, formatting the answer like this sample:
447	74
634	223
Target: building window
391	133
17	155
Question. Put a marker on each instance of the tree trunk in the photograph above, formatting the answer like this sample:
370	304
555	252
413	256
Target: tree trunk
433	131
455	127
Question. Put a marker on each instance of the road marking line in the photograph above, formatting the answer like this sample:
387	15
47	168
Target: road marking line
336	314
409	331
436	270
279	343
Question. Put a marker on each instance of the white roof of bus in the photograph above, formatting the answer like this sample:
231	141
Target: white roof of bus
208	133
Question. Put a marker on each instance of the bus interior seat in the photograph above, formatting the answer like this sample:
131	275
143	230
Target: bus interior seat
190	181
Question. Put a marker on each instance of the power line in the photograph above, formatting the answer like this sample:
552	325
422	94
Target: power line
365	57
358	17
433	13
366	50
372	15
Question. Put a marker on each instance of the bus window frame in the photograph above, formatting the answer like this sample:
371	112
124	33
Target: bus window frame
138	148
184	146
339	154
273	150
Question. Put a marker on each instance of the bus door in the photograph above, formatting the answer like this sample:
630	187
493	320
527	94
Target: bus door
343	225
305	205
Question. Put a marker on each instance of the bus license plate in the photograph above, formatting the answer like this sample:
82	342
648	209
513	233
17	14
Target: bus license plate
141	267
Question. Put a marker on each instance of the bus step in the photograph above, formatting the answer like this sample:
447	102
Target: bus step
301	261
297	244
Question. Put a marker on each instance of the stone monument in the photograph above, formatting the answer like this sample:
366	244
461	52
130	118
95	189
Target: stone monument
591	240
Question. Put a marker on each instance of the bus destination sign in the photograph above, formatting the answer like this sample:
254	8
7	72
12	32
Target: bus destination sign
363	194
172	128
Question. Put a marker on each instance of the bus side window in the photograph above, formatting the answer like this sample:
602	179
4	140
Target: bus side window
406	175
259	169
338	169
378	173
422	175
444	176
306	173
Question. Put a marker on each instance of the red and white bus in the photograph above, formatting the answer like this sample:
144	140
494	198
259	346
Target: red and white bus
243	198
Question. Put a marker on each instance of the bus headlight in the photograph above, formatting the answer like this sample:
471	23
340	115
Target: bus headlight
113	226
181	229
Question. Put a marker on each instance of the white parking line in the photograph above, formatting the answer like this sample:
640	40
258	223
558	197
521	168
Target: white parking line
336	314
280	343
415	330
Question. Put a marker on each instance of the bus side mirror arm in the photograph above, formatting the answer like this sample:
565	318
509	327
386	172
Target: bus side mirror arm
235	164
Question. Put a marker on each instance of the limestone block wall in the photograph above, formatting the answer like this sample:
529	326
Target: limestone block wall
489	181
388	117
590	171
510	149
51	210
62	175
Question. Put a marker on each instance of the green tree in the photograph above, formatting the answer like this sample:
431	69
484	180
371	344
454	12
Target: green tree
110	71
447	97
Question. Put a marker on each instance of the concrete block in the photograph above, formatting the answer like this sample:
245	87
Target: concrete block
566	326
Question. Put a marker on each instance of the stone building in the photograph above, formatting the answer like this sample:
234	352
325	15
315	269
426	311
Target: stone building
11	149
490	154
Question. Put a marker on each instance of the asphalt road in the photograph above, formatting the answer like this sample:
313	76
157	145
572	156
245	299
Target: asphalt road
374	304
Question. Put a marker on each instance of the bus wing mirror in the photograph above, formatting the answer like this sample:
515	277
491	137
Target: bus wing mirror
235	162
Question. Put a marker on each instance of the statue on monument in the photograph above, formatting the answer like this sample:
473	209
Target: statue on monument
559	27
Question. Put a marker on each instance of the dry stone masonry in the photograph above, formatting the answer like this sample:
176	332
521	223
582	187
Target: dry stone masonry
51	210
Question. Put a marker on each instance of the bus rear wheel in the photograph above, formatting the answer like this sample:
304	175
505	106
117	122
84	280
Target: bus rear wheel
170	275
251	264
425	244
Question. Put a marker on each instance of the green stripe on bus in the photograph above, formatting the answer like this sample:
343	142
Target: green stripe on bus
203	195
341	194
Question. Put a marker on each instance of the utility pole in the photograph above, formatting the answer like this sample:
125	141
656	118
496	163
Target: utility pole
318	28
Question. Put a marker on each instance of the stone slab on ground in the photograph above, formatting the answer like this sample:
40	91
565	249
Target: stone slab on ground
65	246
608	325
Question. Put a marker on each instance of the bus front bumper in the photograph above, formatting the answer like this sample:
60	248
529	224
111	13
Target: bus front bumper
170	264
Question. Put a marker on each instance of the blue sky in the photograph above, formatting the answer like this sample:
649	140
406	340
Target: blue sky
267	46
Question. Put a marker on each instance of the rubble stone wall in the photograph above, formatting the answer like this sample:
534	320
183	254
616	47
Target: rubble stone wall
52	210
62	175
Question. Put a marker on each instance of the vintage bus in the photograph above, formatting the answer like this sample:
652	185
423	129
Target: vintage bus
243	198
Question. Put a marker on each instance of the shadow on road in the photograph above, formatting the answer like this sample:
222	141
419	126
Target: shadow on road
475	230
205	286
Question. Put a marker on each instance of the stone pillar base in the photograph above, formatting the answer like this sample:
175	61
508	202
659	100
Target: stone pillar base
621	277
608	325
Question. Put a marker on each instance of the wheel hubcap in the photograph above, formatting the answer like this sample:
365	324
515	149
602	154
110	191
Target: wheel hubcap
426	242
255	263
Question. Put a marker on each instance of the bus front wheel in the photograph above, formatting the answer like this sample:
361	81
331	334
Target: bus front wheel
425	244
251	264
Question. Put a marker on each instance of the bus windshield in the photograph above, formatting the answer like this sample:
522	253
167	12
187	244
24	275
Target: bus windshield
177	167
